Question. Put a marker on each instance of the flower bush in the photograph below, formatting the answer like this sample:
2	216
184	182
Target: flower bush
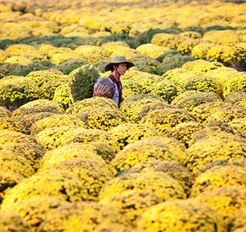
161	184
8	180
166	40
15	91
213	149
192	98
101	118
145	63
133	111
55	137
128	133
164	119
23	123
12	222
92	173
167	89
55	120
185	132
178	215
219	176
171	167
92	53
143	150
82	80
62	184
69	65
201	66
63	95
69	152
22	145
45	83
35	210
38	106
238	221
219	111
132	203
226	201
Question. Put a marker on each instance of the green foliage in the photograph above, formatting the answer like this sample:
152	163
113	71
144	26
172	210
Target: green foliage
82	80
68	66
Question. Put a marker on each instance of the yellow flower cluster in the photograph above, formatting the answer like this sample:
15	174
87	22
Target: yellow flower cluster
219	111
51	138
128	133
143	150
161	184
226	201
171	167
192	98
213	149
185	132
55	120
166	118
62	184
238	222
13	222
132	203
181	215
219	176
22	145
138	105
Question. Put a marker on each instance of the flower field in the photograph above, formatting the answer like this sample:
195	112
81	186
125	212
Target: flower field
171	158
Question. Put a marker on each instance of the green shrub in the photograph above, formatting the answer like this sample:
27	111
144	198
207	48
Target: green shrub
68	66
82	80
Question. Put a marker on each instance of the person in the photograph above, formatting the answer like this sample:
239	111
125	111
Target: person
111	86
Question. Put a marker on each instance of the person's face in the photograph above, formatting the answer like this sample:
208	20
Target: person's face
121	68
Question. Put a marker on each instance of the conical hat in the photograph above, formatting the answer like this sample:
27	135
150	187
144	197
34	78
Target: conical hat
118	60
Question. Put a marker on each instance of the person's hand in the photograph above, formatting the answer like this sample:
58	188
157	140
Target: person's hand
100	90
